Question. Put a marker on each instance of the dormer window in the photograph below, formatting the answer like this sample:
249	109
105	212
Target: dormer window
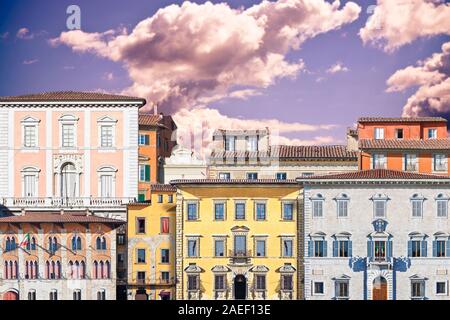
252	143
399	133
432	133
230	143
379	133
30	132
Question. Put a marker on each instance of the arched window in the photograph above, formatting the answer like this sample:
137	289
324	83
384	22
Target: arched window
95	270
47	270
69	181
6	270
31	245
52	244
107	270
76	243
101	243
77	270
82	270
101	269
106	181
30	176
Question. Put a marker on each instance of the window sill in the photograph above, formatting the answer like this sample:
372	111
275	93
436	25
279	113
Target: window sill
30	149
104	149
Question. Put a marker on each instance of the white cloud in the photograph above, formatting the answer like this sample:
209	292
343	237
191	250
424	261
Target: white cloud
108	76
31	61
337	67
395	23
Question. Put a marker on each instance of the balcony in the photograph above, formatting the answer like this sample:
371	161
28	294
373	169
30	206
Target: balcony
152	282
62	202
240	256
380	261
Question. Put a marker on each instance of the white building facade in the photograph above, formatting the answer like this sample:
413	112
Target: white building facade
376	235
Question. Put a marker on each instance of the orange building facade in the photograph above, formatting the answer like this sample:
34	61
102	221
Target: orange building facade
156	141
406	144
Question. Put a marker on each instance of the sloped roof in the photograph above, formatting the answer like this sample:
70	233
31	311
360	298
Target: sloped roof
232	181
69	96
57	217
418	144
375	174
162	187
402	119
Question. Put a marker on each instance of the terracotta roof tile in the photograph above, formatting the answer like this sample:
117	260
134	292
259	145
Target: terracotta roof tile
430	144
402	119
57	217
232	181
162	187
69	96
375	174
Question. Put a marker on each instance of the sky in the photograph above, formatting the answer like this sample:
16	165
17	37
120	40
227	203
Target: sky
305	68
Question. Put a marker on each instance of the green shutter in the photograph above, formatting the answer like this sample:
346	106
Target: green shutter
147	172
141	197
147	140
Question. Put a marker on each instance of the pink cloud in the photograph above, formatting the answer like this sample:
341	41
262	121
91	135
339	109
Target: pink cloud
396	23
337	67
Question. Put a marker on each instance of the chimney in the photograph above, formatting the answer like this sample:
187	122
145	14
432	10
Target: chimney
62	211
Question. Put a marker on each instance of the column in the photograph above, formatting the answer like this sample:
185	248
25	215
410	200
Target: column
89	283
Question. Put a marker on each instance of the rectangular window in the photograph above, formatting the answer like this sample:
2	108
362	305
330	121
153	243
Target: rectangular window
68	135
260	211
343	248
399	133
193	282
106	186
442	208
318	288
219	248
140	276
144	139
441	287
379	208
219	211
342	289
342	206
240	246
286	282
418	289
288	211
281	176
77	295
170	198
53	295
230	143
379	133
29	139
379	161
417	207
120	239
160	198
141	197
260	282
260	248
192	211
29	185
317	206
239	213
440	162
140	255
192	248
31	295
140	225
165	277
224	176
219	282
410	162
319	248
165	255
380	250
106	134
416	248
252	143
440	246
165	225
144	172
432	133
252	176
288	248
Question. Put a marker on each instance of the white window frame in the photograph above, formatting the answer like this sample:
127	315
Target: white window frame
221	174
344	201
227	145
444	162
441	198
107	171
422	282
336	282
445	293
379	198
417	200
33	172
376	163
318	198
378	133
252	143
313	288
106	122
33	123
64	120
434	135
407	165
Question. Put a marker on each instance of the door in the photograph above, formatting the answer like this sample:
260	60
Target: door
240	246
379	289
68	181
11	295
240	287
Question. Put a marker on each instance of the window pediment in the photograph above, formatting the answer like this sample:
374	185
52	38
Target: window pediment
107	119
69	118
30	120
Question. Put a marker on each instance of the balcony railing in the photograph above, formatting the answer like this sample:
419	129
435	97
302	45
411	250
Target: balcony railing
64	202
240	256
152	282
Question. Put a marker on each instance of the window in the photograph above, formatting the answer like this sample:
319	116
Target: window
342	208
53	295
165	255
192	248
417	208
239	213
307	174
100	243
141	276
318	288
52	244
140	255
77	295
160	198
260	248
193	282
342	289
440	162
260	282
230	143
417	248
30	181
260	211
252	143
399	133
441	287
192	211
224	176
240	245
32	295
410	162
164	225
144	172
31	243
442	207
219	211
106	185
219	248
281	176
379	133
141	197
379	208
439	248
106	136
432	133
287	248
288	211
418	289
144	139
120	239
342	248
76	243
140	225
170	198
68	135
219	282
317	208
30	136
320	248
379	161
158	140
165	277
101	295
286	282
252	176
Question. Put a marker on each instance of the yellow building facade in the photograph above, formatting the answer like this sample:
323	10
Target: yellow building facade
237	239
151	246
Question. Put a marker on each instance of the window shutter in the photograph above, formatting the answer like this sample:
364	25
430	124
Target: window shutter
409	248
447	248
350	248
404	162
147	172
147	139
325	245
370	249
389	249
335	248
434	248
310	248
424	248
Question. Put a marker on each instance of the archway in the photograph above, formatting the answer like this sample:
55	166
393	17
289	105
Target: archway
11	295
240	287
379	291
